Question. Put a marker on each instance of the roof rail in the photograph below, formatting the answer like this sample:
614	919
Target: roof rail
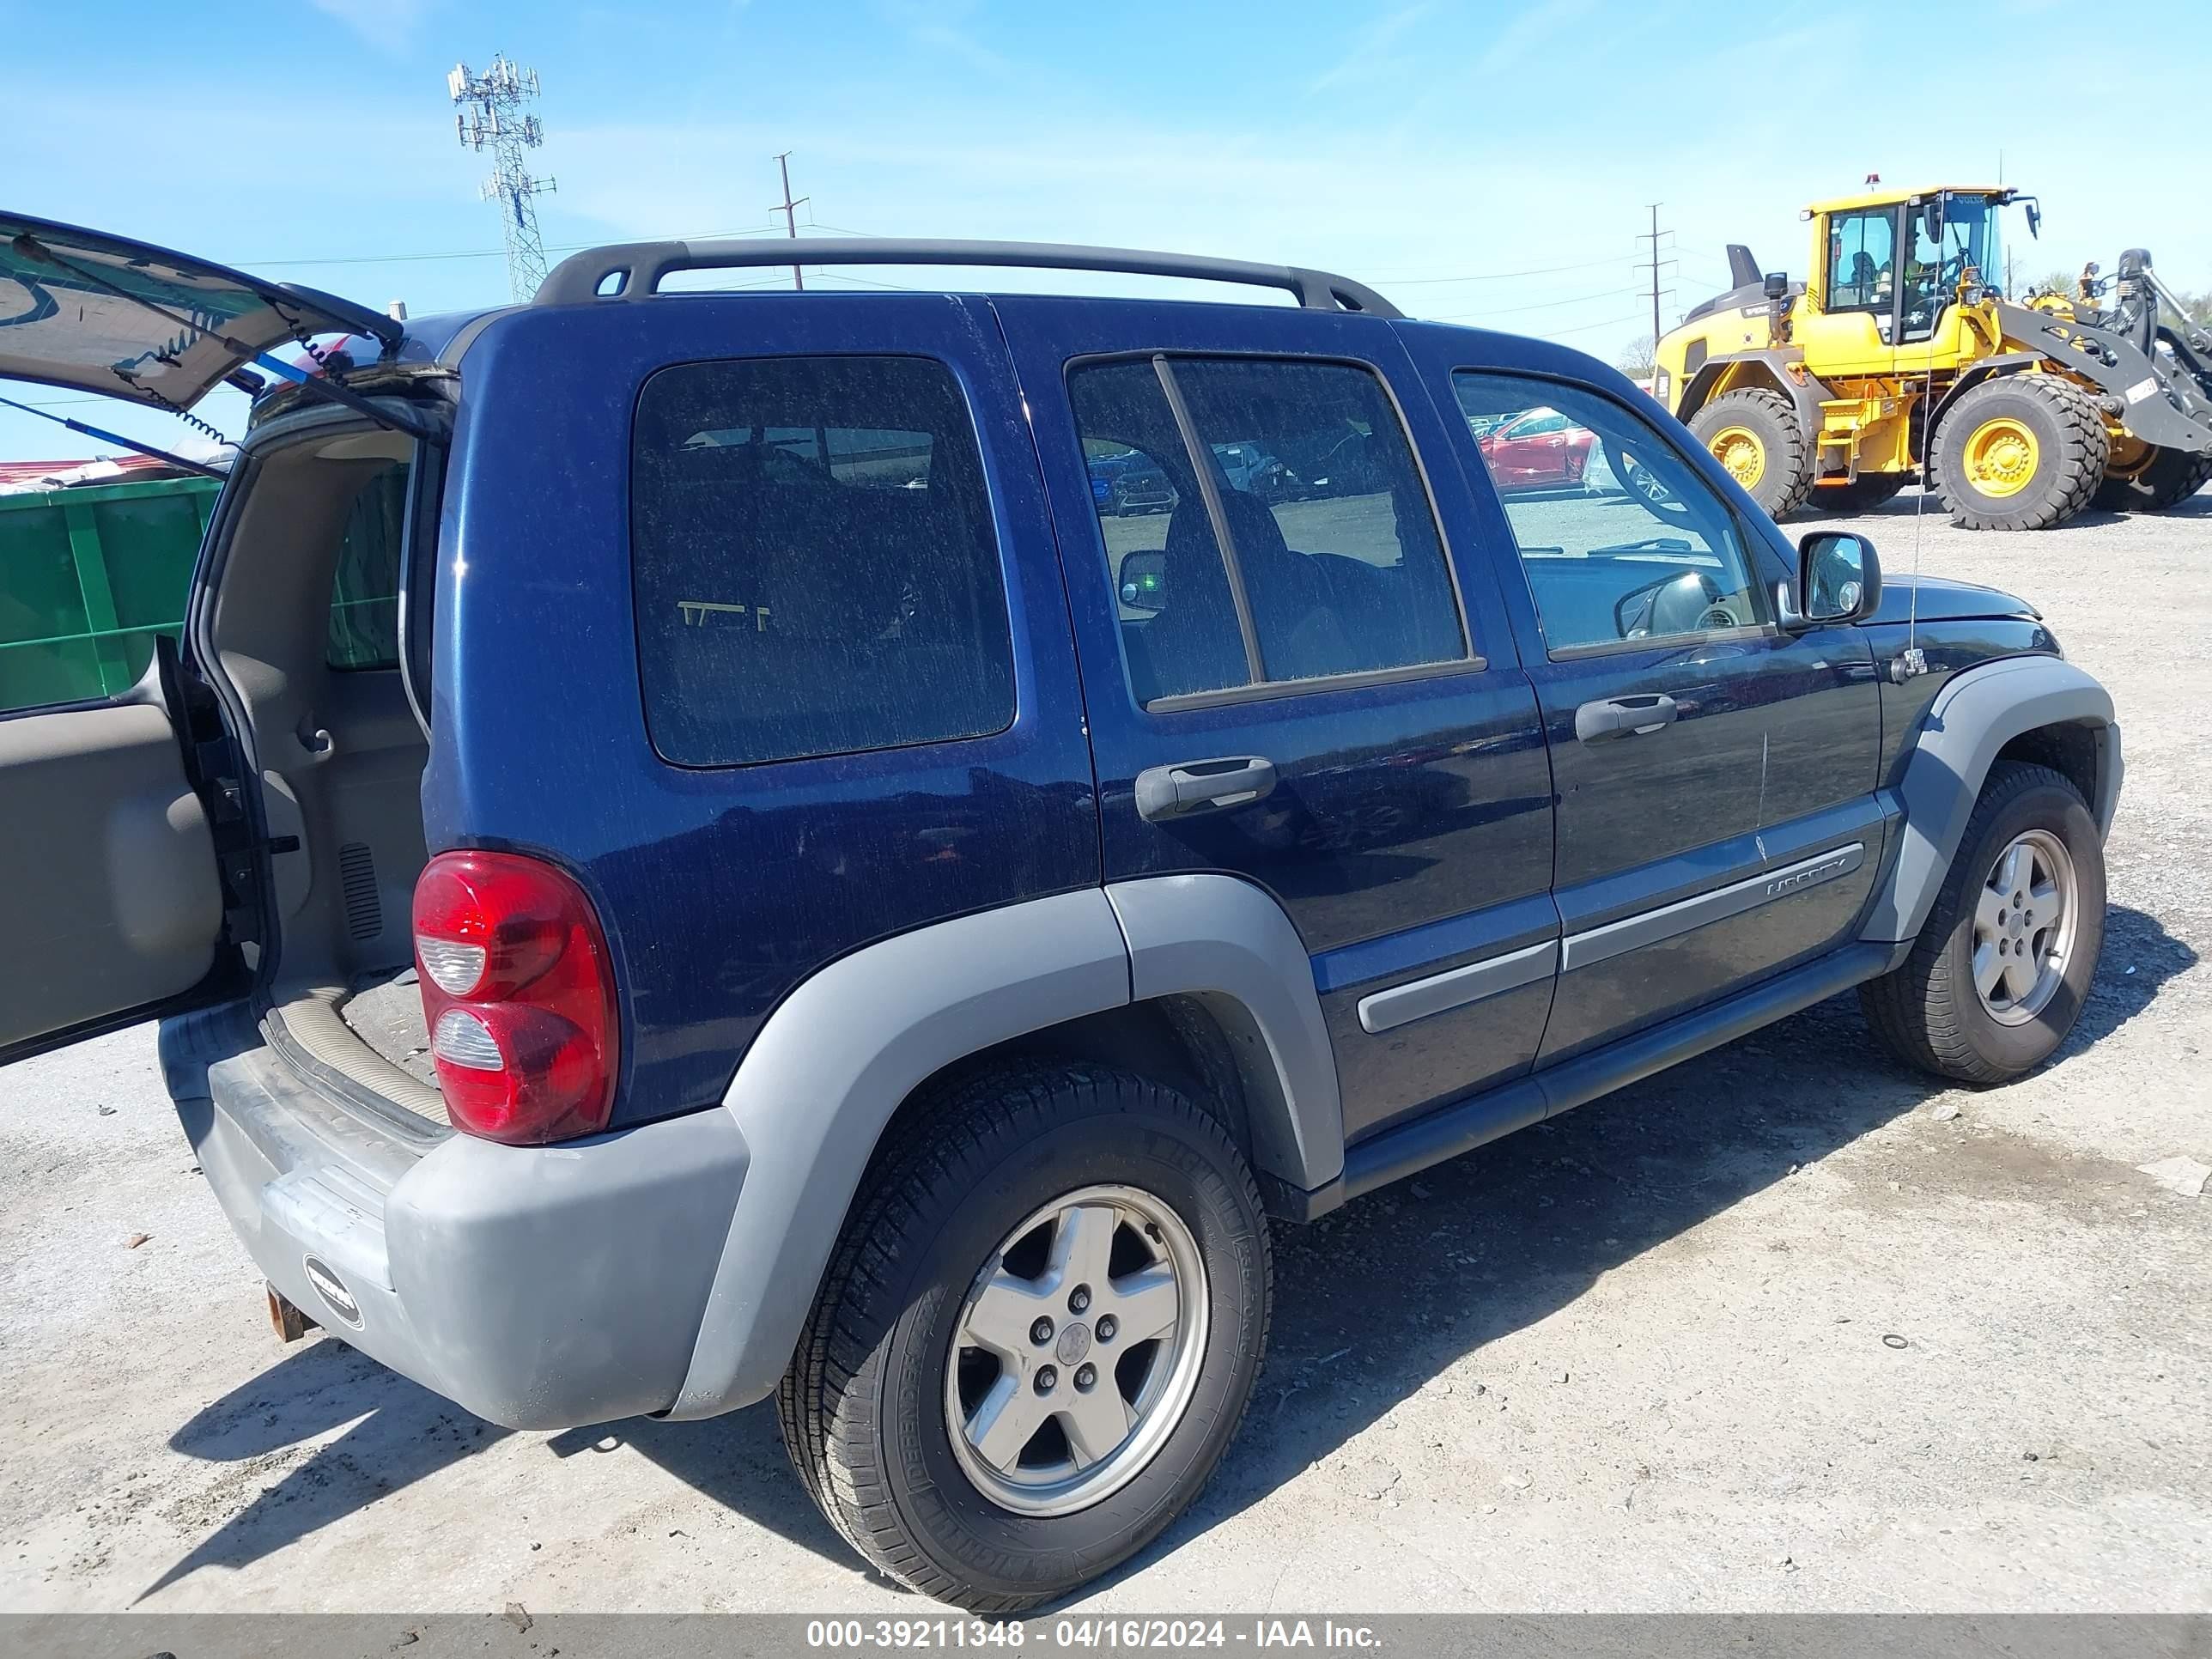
630	270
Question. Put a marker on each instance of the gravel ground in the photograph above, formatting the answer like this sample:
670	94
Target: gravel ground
1788	1327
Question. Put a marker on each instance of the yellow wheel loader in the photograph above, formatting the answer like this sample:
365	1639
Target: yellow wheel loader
1898	362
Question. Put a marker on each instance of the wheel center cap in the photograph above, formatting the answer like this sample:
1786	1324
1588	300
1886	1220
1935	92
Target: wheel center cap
1074	1343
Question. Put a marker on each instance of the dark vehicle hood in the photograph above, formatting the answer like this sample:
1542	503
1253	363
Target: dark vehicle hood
1944	600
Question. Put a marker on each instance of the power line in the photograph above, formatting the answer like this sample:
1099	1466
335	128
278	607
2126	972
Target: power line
476	252
1547	305
1495	275
1585	328
866	282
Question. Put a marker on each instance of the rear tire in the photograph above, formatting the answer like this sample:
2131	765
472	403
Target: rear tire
906	1351
2023	451
2168	478
1862	495
1929	1010
1754	434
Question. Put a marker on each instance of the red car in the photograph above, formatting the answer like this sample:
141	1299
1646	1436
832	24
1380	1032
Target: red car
1537	449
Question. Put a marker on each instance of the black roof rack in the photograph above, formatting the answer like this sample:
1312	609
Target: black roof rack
630	271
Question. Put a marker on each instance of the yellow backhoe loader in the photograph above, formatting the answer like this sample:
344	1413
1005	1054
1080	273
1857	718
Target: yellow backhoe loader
1898	360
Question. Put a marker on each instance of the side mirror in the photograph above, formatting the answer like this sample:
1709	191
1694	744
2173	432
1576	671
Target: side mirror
1838	580
1777	286
2034	218
1143	585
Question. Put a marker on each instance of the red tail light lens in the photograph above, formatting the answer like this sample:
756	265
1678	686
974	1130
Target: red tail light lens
518	992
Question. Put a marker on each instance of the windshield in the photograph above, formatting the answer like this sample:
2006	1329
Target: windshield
1951	235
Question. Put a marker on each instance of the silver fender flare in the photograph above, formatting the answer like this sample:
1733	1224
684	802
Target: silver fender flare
837	1058
1227	943
1974	716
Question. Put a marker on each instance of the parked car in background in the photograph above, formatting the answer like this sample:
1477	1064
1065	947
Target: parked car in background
1540	450
1253	471
1128	483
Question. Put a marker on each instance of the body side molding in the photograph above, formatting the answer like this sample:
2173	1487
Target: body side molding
1981	710
1650	926
1455	987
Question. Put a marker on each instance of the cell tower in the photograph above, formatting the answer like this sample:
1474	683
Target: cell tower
492	118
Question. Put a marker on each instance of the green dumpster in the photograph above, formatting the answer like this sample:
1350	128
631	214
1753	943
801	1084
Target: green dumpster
89	577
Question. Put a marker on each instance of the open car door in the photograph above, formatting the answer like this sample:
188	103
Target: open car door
112	907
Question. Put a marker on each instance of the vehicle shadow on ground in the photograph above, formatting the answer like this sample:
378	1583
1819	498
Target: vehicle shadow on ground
1391	1291
1372	1303
399	1433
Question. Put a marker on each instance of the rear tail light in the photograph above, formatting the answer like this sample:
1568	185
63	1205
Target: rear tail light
518	994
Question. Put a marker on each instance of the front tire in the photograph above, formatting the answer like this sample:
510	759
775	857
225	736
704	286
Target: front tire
1754	434
1998	977
1038	1338
2023	451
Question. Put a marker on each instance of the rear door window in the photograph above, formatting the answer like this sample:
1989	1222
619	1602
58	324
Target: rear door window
813	559
1282	530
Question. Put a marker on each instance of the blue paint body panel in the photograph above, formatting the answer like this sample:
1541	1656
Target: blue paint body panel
720	887
1417	825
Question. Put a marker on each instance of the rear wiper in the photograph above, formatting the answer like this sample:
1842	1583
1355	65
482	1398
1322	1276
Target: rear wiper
84	430
30	248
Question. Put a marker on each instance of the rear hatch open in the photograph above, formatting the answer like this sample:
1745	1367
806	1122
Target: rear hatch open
101	313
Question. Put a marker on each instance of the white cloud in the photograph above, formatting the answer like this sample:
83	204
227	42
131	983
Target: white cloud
1371	57
387	23
1531	29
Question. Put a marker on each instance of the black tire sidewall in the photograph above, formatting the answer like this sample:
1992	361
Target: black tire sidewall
2052	807
1777	441
1179	1159
2168	478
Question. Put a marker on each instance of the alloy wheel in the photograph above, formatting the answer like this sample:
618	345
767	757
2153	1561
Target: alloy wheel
2024	927
1077	1351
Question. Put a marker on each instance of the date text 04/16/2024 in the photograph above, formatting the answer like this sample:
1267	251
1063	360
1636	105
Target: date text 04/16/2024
1107	1635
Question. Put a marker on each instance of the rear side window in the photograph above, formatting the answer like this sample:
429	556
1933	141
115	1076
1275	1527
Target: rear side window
813	561
1332	564
364	621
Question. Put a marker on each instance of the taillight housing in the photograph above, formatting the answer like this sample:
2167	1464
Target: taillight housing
518	997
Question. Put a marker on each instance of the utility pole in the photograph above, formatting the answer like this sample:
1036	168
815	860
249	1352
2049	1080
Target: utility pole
790	215
1654	265
494	120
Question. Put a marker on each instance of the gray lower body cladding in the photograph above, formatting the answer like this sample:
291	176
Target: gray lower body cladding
540	1287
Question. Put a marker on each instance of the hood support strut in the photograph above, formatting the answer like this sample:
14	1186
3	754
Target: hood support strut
114	438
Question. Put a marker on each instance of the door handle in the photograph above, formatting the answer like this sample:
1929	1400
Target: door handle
1200	786
1623	717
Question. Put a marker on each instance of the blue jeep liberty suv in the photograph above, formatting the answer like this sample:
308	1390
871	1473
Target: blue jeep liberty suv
689	855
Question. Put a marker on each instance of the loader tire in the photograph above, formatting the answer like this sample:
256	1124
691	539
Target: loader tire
1755	436
2024	452
2168	478
1862	495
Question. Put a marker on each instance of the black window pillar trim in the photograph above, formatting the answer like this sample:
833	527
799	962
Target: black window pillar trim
1209	490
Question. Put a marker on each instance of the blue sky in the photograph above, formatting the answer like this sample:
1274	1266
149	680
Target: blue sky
1489	162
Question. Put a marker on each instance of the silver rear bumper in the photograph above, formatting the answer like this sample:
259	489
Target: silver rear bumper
540	1287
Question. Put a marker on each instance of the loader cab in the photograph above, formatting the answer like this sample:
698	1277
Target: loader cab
1886	271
